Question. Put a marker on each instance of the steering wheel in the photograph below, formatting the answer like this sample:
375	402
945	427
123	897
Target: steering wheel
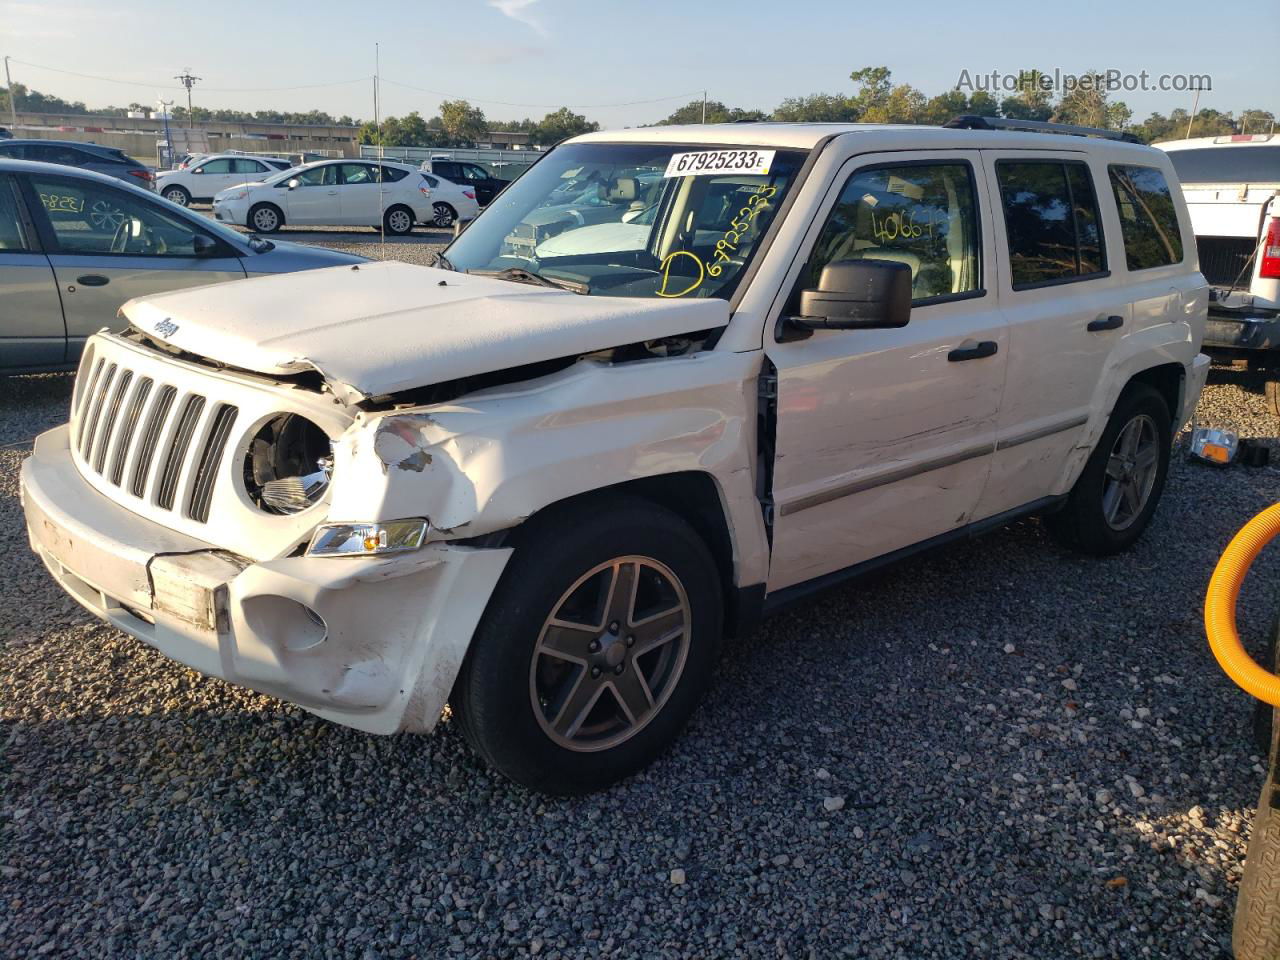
120	241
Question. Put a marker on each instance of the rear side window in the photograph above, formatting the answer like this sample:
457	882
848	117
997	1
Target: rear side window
923	215
1051	220
253	167
392	174
56	153
1148	218
432	182
13	237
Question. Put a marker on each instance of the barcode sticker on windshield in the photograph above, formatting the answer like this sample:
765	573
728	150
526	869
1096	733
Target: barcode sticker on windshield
720	161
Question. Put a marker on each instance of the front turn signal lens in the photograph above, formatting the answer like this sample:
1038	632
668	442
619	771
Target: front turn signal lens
367	539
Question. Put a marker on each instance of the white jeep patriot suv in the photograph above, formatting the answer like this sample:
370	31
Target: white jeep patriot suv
542	480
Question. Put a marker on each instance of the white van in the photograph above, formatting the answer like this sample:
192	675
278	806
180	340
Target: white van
542	480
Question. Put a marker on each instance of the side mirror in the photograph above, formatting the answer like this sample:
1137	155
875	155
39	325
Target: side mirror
203	246
852	295
295	183
197	170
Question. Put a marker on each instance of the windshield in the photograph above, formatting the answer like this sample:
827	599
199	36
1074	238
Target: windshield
282	176
1227	164
634	220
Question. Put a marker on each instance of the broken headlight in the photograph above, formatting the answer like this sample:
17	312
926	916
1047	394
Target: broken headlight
288	464
367	539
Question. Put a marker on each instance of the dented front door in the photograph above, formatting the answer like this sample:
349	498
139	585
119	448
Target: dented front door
884	437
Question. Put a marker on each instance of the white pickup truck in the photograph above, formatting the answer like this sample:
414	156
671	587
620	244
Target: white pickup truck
1232	188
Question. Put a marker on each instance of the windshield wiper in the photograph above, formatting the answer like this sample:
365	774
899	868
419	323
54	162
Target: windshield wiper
521	275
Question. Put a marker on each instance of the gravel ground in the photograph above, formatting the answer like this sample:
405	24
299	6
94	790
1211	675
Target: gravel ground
998	750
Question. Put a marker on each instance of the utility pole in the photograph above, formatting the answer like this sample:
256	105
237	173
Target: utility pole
168	138
188	81
13	100
704	106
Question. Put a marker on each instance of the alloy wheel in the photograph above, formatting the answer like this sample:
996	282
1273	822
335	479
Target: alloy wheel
610	654
443	215
265	219
177	196
1131	472
399	221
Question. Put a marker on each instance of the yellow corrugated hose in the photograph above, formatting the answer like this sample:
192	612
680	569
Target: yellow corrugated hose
1220	607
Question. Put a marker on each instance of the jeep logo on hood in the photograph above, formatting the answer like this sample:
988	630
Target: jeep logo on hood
166	327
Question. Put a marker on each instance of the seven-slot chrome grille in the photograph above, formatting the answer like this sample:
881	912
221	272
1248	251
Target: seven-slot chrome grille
166	439
143	435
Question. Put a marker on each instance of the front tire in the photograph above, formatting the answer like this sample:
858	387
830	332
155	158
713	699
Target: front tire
1117	492
265	218
398	221
595	648
178	195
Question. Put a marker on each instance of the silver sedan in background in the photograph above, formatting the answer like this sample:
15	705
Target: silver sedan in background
75	245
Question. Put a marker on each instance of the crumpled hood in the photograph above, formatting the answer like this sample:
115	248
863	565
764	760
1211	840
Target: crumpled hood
383	327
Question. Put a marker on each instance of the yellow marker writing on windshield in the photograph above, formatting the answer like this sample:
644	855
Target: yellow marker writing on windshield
666	273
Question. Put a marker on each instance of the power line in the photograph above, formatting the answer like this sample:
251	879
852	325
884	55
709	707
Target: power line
341	83
507	103
169	86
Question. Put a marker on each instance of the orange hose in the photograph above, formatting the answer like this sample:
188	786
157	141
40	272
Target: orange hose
1220	607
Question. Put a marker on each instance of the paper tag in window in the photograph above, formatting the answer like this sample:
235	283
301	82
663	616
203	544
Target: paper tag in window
750	162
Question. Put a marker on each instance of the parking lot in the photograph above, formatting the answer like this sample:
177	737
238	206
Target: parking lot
999	750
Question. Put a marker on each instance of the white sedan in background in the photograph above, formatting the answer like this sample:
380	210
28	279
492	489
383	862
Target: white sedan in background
346	193
207	176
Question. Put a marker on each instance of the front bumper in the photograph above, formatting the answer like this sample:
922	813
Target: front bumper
372	643
1242	331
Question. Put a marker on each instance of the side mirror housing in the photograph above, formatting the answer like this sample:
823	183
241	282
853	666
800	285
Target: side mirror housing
203	246
854	295
295	183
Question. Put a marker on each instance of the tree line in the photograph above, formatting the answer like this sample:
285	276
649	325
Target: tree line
875	98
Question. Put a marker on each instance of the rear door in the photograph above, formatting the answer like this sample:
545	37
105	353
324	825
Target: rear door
1067	308
32	333
108	245
359	194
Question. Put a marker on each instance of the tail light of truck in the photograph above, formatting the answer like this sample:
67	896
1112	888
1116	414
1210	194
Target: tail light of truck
1269	269
469	194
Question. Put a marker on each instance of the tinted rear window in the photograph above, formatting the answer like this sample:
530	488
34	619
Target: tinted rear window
1228	164
1051	221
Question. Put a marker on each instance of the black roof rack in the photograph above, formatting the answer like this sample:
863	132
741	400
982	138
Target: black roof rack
971	122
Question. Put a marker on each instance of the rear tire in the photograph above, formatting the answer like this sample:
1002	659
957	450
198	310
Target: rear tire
558	722
1115	496
398	221
443	215
265	218
178	195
